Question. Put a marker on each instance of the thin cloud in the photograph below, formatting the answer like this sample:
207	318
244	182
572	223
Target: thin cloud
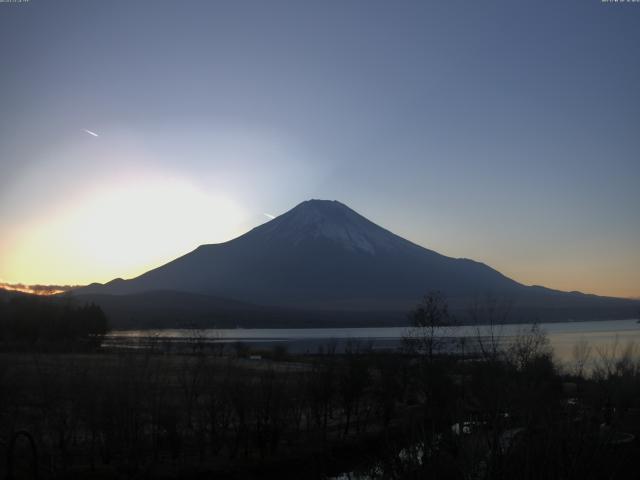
37	289
269	216
93	134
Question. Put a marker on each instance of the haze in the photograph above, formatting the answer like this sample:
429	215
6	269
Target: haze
506	132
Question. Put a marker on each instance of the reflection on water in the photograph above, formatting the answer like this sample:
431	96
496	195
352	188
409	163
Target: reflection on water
600	336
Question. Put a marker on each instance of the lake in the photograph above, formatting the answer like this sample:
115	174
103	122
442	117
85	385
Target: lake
601	336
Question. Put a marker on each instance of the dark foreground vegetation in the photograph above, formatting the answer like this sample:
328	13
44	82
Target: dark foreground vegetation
483	410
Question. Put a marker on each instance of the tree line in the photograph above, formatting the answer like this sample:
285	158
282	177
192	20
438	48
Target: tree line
30	321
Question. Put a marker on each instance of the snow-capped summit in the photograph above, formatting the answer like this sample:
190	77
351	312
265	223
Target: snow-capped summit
333	221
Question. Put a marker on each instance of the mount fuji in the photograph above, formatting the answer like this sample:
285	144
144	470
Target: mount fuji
323	256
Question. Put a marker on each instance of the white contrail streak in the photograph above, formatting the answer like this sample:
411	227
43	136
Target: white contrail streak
94	134
268	215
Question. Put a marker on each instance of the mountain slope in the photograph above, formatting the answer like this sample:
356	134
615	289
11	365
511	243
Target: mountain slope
322	262
320	254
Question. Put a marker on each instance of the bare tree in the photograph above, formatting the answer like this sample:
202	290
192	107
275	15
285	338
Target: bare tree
431	323
581	354
527	345
489	318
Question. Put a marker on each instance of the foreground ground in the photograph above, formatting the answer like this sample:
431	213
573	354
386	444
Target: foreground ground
501	413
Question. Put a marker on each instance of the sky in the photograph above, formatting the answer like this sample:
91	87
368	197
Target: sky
504	131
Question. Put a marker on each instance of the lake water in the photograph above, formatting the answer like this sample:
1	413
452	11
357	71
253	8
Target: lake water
601	336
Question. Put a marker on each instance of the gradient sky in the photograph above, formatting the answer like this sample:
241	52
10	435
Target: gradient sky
503	131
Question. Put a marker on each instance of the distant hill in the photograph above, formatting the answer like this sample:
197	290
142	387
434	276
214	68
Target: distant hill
325	258
167	309
170	309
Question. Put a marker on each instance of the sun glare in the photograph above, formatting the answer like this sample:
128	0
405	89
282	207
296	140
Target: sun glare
121	231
